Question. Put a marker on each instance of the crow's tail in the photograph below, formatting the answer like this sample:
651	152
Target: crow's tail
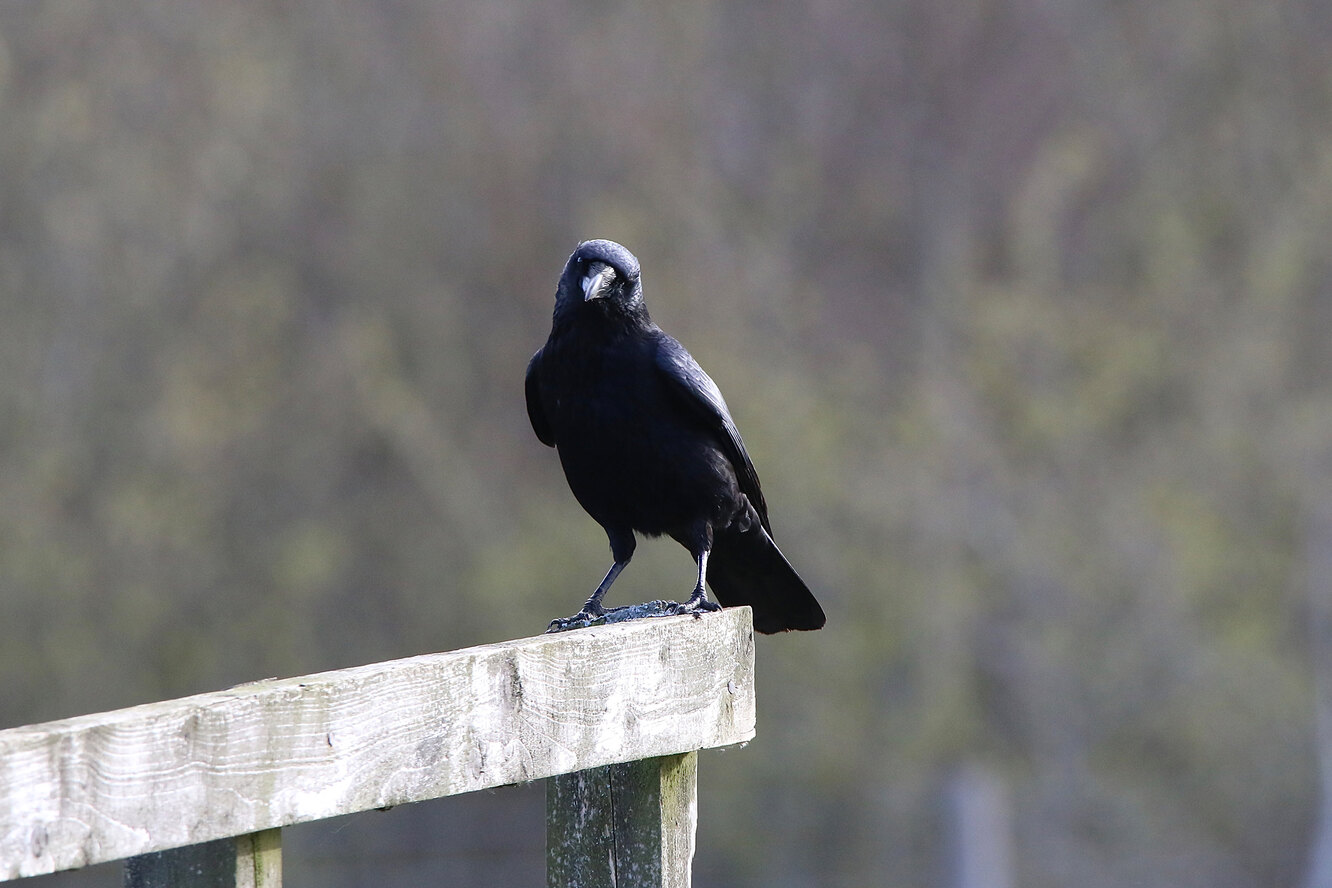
746	567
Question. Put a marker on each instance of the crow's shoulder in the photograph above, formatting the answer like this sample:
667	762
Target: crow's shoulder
693	388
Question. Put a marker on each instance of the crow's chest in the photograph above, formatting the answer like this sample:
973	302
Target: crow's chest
612	404
624	438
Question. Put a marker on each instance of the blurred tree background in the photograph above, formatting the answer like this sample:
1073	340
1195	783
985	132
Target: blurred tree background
1023	308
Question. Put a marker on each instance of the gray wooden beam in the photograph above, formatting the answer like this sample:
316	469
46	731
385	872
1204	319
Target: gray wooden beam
273	753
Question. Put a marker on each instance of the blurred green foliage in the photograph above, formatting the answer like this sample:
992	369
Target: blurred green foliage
1023	309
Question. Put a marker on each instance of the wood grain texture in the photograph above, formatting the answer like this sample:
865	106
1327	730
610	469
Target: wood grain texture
273	753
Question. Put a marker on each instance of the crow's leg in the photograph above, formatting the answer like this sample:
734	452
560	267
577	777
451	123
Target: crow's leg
698	602
593	606
622	549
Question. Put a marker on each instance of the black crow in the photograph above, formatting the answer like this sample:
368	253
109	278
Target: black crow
648	445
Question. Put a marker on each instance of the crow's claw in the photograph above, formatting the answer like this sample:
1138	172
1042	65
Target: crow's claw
580	620
698	606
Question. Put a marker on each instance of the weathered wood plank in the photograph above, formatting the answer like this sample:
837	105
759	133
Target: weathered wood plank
273	753
626	824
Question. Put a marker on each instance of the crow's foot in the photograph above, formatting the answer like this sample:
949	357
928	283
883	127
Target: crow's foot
698	605
581	620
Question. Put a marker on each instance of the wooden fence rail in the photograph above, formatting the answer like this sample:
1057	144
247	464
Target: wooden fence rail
620	711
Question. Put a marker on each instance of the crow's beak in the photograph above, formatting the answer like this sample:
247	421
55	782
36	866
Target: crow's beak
597	281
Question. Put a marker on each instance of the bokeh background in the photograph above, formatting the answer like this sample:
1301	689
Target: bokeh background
1022	306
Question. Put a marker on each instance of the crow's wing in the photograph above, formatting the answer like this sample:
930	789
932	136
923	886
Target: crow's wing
535	412
699	394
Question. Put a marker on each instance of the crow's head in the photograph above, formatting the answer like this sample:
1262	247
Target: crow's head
603	276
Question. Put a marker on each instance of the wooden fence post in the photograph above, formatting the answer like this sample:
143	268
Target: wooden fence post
629	824
249	861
